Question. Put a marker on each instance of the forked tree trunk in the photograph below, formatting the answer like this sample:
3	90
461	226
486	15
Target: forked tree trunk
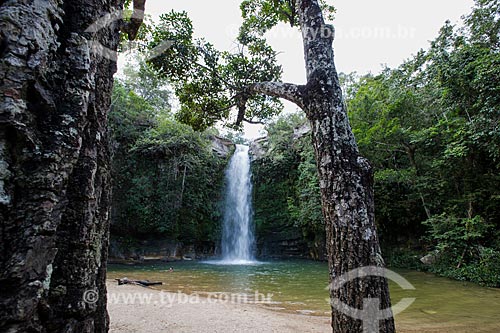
54	165
346	179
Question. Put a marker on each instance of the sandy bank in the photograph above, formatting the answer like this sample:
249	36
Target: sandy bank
154	311
137	309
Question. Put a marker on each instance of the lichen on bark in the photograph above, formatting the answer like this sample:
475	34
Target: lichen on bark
346	178
54	164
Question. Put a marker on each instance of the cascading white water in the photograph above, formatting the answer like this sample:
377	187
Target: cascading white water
237	237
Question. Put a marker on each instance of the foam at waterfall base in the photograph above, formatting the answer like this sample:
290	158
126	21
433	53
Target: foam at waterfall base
233	262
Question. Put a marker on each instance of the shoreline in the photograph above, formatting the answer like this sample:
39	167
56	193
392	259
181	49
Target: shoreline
138	309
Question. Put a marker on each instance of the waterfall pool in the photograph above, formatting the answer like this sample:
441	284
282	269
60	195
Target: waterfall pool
299	286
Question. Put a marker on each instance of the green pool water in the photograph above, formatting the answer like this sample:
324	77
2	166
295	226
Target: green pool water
441	305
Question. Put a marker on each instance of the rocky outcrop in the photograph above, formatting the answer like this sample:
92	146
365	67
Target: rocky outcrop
222	147
301	131
258	148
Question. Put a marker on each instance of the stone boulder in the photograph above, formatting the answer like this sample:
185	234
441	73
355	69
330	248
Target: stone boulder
430	258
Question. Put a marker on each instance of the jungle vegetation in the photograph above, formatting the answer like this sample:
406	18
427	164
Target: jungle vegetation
429	127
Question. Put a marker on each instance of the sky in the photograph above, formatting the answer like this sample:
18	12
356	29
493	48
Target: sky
369	34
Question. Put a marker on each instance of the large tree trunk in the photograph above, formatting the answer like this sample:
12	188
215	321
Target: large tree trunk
346	182
54	164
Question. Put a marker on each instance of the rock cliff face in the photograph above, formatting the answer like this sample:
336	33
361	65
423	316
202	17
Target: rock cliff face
222	147
279	244
289	244
122	249
184	200
258	148
279	239
301	131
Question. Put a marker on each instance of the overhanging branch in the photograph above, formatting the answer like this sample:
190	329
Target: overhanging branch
288	91
253	122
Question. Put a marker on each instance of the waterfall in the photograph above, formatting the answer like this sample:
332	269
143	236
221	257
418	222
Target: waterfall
237	237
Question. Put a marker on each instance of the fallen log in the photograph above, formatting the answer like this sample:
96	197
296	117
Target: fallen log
144	283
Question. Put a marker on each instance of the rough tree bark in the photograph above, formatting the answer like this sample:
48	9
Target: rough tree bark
346	180
54	164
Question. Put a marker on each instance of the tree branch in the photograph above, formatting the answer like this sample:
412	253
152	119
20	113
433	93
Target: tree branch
253	122
288	91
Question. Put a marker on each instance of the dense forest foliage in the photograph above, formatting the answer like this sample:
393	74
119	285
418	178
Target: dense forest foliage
430	127
287	199
167	179
431	130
